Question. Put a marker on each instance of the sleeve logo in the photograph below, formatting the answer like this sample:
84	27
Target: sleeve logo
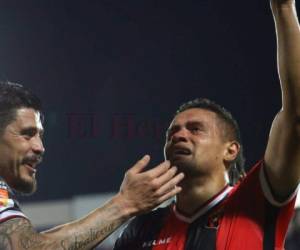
4	199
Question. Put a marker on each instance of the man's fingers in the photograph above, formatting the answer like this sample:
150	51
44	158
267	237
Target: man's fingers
169	186
170	194
158	170
140	165
161	180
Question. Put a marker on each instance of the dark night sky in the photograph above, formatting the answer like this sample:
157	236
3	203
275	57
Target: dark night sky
111	73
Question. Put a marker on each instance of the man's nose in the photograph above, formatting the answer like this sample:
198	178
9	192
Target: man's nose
180	135
37	146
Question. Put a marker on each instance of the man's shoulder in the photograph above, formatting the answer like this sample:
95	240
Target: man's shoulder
9	207
6	199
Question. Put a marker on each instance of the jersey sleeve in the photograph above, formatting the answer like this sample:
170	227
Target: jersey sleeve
9	207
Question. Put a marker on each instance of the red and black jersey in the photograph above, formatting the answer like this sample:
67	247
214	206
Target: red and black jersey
244	217
9	207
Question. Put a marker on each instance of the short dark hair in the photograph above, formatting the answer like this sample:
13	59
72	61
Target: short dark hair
14	96
231	132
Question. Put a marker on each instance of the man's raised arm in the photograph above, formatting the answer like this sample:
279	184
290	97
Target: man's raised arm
282	158
139	192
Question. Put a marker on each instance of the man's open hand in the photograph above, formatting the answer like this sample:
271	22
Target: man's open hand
142	191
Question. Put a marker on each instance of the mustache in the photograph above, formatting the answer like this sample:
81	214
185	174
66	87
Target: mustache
36	159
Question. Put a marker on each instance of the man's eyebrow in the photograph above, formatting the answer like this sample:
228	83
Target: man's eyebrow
195	122
173	127
32	129
192	122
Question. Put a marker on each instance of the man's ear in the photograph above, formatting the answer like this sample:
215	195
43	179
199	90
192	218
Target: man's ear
231	151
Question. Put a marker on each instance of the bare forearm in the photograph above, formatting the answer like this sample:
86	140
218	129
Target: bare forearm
92	229
18	234
288	44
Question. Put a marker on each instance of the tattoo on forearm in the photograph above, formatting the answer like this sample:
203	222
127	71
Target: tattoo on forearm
18	233
90	237
86	239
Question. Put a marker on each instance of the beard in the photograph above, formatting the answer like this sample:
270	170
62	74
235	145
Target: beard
25	183
185	165
25	187
188	165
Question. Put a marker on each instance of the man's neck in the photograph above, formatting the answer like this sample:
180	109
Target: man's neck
196	191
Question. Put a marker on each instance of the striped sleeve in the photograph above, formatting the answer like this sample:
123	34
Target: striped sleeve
9	208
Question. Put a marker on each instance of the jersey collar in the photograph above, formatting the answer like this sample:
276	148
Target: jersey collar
212	202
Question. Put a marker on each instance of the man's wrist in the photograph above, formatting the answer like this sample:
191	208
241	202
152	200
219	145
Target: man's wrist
282	5
283	10
126	210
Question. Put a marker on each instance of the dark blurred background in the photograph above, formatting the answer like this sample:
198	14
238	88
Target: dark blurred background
111	73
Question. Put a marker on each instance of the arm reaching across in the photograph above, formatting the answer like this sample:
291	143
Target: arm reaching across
139	192
282	157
